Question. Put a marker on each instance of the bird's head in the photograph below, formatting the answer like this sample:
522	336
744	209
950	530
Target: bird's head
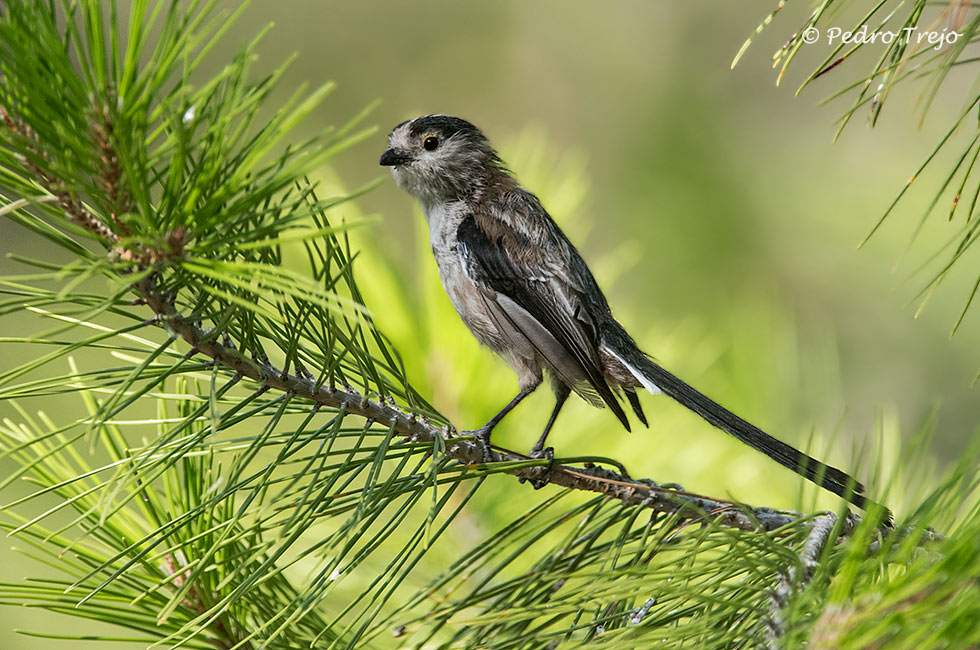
438	158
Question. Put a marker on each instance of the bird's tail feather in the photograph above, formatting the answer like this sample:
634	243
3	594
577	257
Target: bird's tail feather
656	379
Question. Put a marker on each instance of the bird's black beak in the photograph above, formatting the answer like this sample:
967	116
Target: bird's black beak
392	158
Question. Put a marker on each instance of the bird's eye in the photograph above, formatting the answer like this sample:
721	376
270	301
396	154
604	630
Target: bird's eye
430	143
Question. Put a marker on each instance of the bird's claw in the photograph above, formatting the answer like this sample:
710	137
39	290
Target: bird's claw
549	453
482	439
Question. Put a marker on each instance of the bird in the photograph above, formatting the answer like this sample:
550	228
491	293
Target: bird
525	292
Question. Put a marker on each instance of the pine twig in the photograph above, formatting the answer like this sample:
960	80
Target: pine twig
637	492
816	542
69	202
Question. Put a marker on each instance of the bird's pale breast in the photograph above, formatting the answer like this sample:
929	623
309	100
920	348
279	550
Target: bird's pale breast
443	221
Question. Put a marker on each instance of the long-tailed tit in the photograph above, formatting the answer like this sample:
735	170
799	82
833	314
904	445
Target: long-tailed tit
525	292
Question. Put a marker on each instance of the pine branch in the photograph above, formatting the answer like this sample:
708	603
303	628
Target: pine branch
821	534
642	492
463	449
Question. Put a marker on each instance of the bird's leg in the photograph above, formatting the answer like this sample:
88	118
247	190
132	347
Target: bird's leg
539	450
482	434
538	447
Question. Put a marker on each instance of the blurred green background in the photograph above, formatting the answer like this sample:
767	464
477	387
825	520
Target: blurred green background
712	206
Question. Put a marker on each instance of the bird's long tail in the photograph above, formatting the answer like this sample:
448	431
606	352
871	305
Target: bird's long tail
656	380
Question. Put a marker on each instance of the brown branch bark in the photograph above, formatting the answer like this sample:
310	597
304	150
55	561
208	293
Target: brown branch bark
638	492
792	580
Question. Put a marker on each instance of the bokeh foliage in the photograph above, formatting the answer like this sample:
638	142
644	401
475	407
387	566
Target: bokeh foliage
924	43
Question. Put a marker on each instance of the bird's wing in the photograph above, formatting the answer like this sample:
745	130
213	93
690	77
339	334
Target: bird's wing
531	278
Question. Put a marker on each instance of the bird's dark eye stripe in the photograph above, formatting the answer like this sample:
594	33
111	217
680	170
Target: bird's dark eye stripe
430	143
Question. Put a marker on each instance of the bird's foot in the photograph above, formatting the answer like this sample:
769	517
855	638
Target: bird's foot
482	438
545	472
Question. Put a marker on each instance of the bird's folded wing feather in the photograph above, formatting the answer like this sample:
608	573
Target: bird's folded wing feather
528	278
